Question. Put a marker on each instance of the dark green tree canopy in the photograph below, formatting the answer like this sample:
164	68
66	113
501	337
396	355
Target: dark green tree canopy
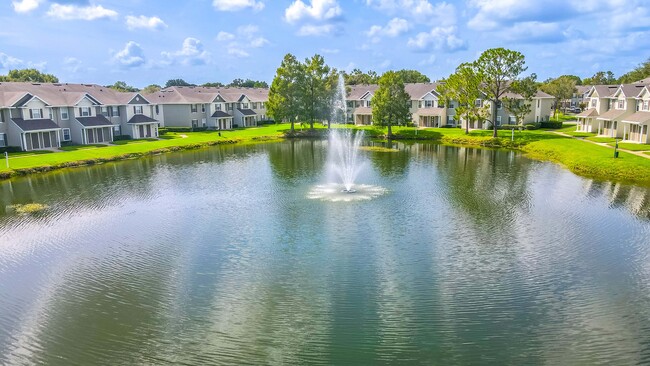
213	85
358	77
600	78
413	76
391	103
639	73
284	96
29	75
153	88
248	83
122	86
177	82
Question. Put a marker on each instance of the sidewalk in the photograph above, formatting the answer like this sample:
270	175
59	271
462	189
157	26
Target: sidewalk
637	153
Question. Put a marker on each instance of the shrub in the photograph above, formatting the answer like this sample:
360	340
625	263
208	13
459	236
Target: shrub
177	129
531	126
198	129
266	122
121	137
551	125
10	149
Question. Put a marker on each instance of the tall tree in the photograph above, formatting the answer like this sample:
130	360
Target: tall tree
358	77
248	83
639	73
284	95
391	103
499	68
600	78
520	104
29	75
316	89
463	86
177	82
562	88
213	85
122	86
153	88
413	76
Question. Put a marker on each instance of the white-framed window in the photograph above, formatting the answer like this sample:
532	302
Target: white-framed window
203	108
3	140
35	113
193	108
66	134
117	130
229	106
157	109
84	111
478	103
217	107
593	102
64	114
115	111
539	103
498	120
2	116
499	105
137	109
244	105
254	105
263	105
195	123
621	104
511	119
50	113
428	103
646	104
105	111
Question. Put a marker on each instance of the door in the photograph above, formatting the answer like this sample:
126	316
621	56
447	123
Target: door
46	140
141	131
90	136
35	142
148	130
100	135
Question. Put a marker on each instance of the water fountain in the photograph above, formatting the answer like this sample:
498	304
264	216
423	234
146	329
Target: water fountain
344	163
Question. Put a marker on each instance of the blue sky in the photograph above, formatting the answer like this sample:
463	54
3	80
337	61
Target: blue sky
144	42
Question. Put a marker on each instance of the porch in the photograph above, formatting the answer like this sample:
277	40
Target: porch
95	130
38	134
635	127
363	116
143	127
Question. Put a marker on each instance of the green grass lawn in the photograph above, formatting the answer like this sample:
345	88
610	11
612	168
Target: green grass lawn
631	147
563	117
601	139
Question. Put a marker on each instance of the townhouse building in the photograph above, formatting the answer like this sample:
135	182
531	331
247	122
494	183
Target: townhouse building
617	111
35	116
429	109
210	107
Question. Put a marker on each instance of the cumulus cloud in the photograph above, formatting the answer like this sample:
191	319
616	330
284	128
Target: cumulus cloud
225	36
236	5
439	39
191	53
71	64
422	11
245	38
131	56
394	28
8	62
144	22
25	6
76	12
321	10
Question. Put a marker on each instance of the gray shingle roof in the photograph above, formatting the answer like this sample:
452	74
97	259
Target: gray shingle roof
96	121
61	94
35	124
221	114
247	112
141	118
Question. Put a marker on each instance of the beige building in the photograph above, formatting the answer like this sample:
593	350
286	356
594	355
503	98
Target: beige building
429	110
636	125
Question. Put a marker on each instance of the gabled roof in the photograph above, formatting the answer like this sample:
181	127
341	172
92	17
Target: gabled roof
141	118
603	91
629	90
35	124
358	91
204	94
95	121
221	114
612	114
61	94
591	112
640	117
247	112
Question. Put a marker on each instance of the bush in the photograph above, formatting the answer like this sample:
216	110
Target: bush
266	122
121	137
198	129
177	129
10	149
531	126
162	131
551	125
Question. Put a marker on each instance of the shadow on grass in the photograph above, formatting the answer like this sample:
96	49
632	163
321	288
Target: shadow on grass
81	147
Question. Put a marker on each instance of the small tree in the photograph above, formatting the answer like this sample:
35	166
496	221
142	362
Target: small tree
30	76
562	88
122	86
153	88
391	102
520	104
358	77
413	76
213	85
463	86
499	68
284	95
177	82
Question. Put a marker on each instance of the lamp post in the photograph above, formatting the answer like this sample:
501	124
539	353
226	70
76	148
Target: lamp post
616	149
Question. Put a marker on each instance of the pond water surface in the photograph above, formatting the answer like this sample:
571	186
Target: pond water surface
218	256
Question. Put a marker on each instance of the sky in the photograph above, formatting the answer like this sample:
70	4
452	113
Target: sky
149	42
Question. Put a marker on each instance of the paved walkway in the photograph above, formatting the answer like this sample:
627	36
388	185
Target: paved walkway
605	144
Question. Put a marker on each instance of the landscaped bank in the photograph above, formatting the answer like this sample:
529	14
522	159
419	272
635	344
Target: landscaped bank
580	157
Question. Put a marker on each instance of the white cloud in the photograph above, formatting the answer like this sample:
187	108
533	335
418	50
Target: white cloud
428	61
8	62
25	6
439	38
247	30
72	12
394	28
259	42
237	52
236	5
191	53
72	64
321	10
316	30
152	23
225	36
422	11
132	55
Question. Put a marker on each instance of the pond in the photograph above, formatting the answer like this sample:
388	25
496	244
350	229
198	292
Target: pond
221	256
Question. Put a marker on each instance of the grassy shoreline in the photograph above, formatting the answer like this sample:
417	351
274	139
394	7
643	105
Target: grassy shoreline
580	157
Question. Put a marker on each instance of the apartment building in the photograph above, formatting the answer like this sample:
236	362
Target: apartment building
36	116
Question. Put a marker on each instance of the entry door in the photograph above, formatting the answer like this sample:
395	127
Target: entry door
100	135
46	140
35	143
141	130
148	130
91	136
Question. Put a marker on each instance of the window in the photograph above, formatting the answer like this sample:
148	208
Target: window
593	102
157	110
645	105
115	111
137	109
64	113
84	111
244	105
49	111
428	103
195	123
498	120
203	108
193	108
478	103
3	140
511	119
229	106
539	103
35	113
117	130
368	104
262	105
217	107
499	105
66	134
621	104
254	105
105	111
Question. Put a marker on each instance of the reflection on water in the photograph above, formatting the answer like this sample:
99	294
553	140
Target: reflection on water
217	256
